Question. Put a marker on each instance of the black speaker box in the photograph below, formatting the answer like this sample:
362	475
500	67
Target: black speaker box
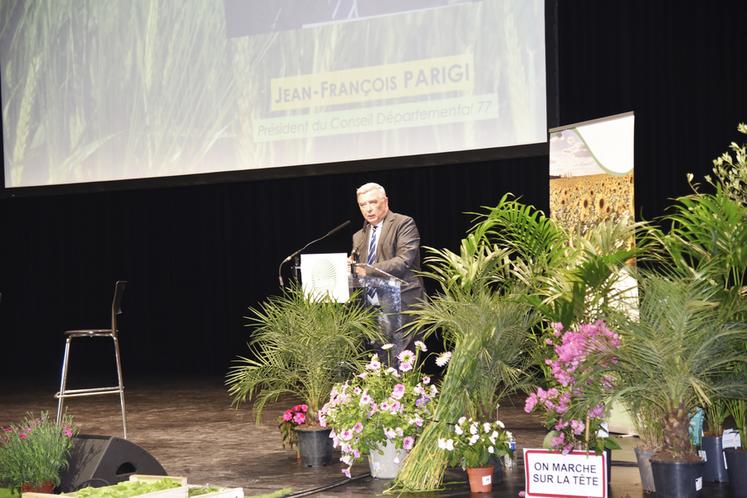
104	460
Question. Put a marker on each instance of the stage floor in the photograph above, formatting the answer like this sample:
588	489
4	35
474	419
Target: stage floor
190	427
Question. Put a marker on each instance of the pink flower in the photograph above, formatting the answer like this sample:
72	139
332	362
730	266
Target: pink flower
299	418
405	367
577	427
398	391
530	403
304	408
346	472
358	427
22	435
558	441
408	442
288	415
346	435
68	431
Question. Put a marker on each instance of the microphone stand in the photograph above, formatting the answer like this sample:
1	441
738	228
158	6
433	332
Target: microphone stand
298	252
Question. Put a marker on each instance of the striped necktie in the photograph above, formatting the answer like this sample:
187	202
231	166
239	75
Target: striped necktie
370	258
372	247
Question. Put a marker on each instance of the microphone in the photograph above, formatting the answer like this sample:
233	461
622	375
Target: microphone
296	253
356	258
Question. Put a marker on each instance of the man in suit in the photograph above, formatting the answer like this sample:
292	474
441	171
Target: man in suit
389	242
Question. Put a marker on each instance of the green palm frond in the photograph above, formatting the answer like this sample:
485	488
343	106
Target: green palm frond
301	348
678	353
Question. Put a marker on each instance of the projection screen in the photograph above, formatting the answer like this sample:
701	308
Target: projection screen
103	90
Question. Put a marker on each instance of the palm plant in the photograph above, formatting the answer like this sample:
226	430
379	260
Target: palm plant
301	348
707	241
677	355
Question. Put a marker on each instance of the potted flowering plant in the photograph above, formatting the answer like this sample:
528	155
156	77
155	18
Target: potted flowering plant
289	420
34	451
381	406
573	404
473	446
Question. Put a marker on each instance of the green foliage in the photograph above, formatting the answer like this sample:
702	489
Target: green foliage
737	408
35	450
715	415
126	489
301	348
202	490
678	354
730	172
473	443
706	241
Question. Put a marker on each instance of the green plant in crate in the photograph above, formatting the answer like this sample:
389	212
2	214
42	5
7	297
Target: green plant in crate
301	348
35	450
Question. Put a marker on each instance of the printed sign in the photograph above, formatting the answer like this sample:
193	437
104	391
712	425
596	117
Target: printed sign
579	474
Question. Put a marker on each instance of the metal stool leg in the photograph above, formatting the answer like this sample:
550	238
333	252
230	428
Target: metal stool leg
63	381
121	386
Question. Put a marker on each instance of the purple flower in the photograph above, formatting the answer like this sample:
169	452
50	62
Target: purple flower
358	427
597	411
408	442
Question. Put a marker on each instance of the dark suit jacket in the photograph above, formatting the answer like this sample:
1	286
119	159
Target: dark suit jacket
397	253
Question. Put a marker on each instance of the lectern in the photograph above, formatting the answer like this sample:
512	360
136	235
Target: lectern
388	294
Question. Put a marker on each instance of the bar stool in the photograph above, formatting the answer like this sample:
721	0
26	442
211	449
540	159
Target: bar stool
64	392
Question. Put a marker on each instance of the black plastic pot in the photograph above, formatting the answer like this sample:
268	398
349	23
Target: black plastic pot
677	479
736	461
715	469
644	468
315	446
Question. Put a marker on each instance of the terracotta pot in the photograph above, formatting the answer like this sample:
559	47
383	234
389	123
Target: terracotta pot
480	479
45	487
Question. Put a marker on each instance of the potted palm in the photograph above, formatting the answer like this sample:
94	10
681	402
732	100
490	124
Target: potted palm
34	451
673	356
302	348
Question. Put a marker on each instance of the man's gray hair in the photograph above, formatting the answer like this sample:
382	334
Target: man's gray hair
368	187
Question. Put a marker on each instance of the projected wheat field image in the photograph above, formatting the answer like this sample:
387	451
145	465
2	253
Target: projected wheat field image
117	89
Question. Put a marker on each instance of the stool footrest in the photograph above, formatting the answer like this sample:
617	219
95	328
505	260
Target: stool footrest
92	391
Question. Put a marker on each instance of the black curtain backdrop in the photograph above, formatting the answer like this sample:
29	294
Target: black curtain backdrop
198	257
